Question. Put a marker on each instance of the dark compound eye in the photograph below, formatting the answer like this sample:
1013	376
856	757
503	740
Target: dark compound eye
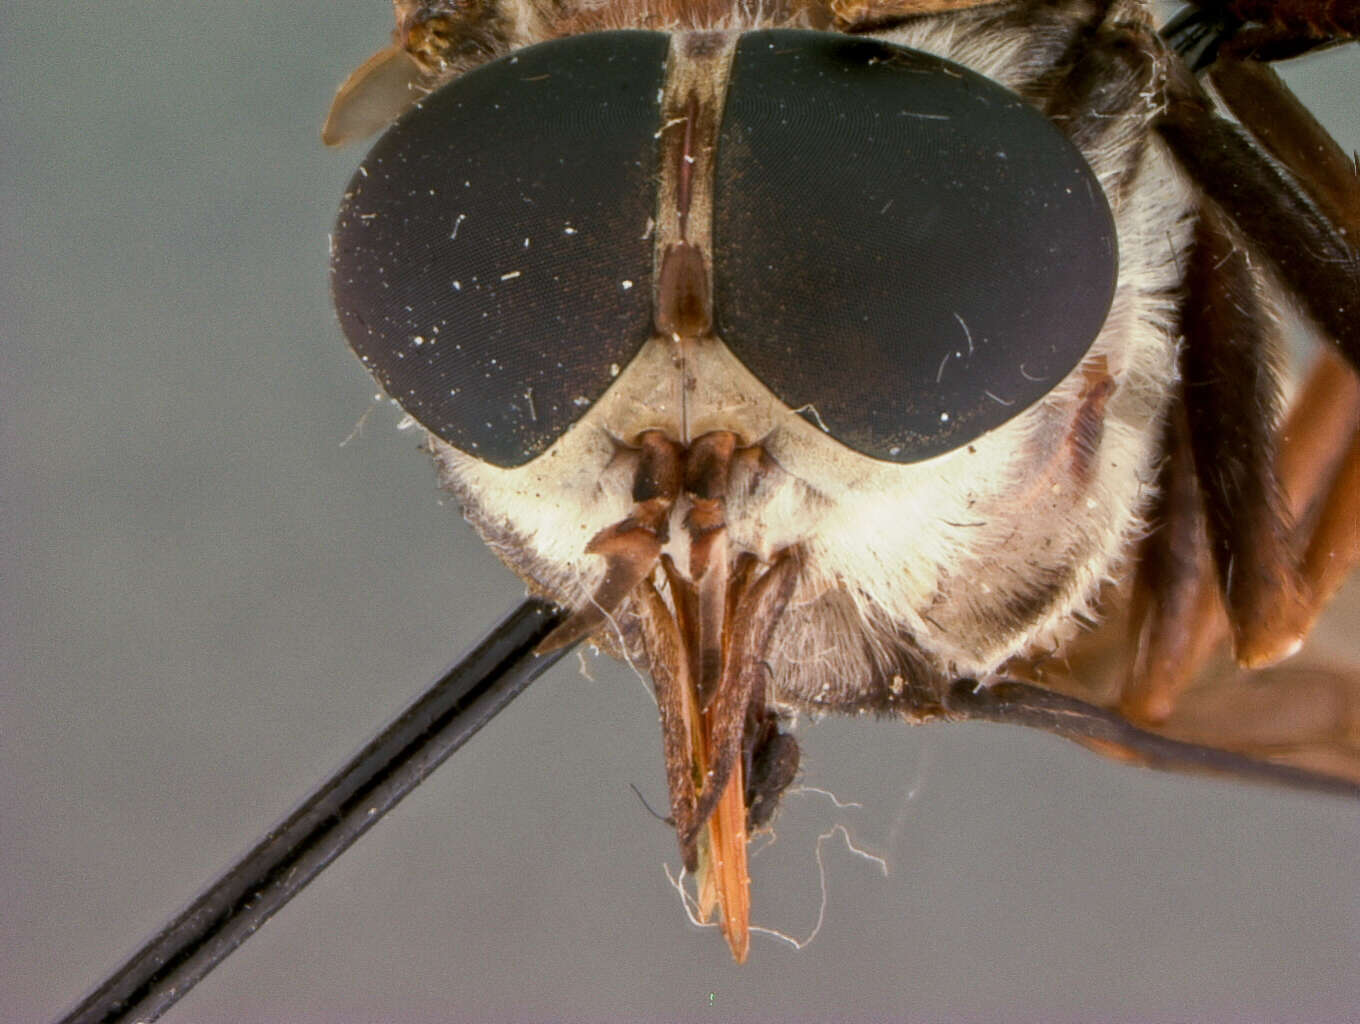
900	245
491	261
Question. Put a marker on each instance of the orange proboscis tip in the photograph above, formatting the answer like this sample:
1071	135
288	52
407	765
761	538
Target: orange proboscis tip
724	882
727	845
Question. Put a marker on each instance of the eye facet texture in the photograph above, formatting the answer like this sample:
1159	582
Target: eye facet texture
901	247
491	260
900	244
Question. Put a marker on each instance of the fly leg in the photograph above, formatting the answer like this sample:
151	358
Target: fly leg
1177	616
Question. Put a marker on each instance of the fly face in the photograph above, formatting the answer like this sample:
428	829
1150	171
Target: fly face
814	372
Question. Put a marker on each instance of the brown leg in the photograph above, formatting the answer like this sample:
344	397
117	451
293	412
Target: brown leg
1265	106
1324	417
1230	400
1309	18
1311	253
1334	547
1177	617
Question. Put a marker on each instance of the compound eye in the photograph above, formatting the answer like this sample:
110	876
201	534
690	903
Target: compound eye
901	246
491	264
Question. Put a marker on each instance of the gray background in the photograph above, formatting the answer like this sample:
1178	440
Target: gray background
209	602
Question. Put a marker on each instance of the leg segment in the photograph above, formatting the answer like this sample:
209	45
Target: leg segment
1306	248
1176	615
1230	400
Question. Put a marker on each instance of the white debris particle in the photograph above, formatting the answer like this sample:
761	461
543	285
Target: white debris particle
944	417
811	410
456	223
966	332
526	243
580	401
613	369
458	286
417	341
625	284
510	276
568	230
